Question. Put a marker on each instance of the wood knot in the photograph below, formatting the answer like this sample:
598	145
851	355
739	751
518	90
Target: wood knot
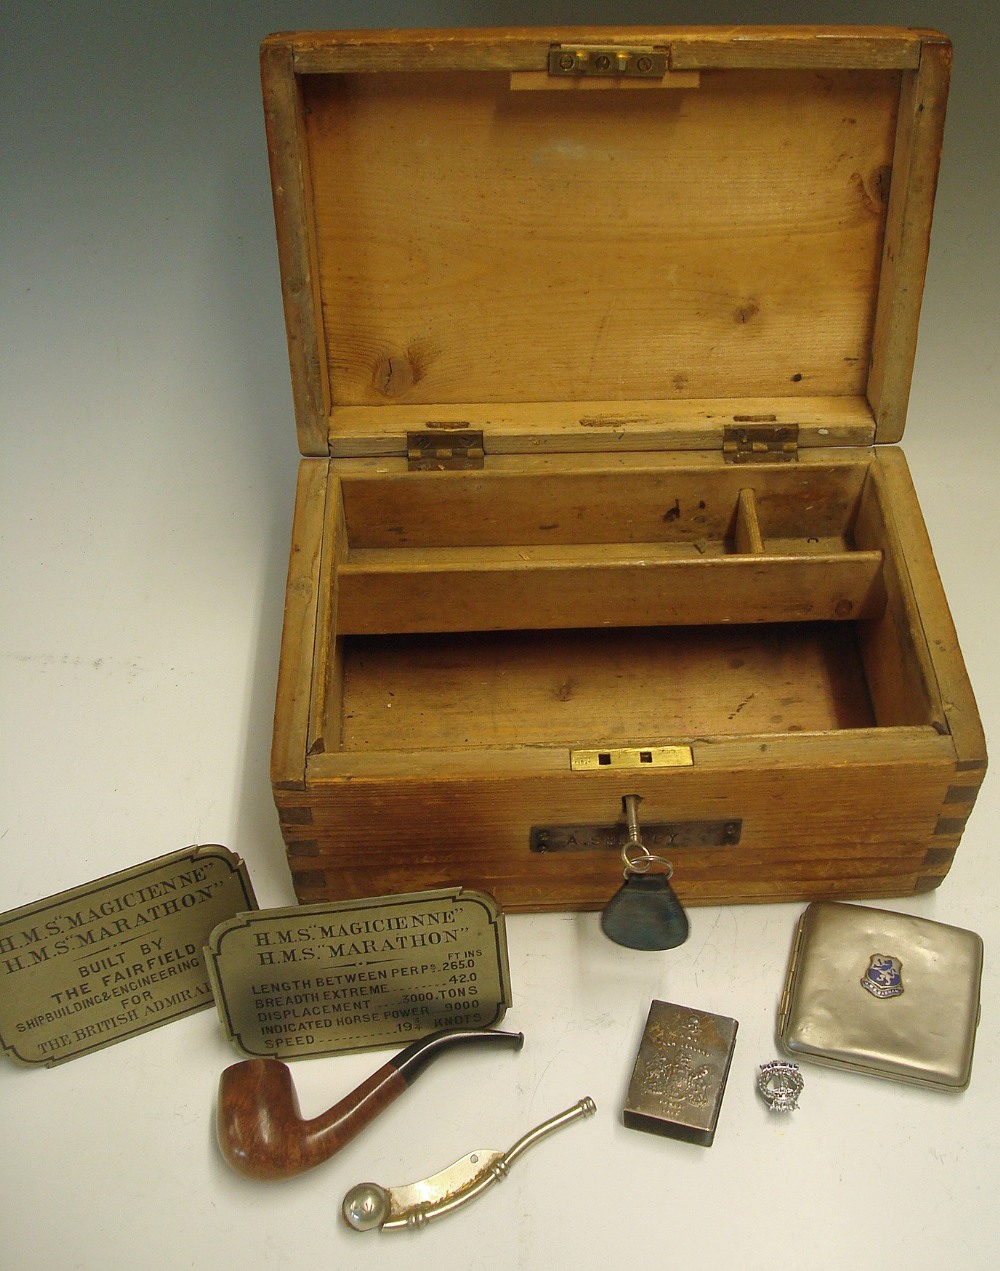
394	376
746	311
565	691
873	194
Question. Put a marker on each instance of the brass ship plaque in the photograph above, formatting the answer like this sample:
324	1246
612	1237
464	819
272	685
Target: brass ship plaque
355	975
115	957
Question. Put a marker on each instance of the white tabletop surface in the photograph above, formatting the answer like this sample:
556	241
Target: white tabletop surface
147	476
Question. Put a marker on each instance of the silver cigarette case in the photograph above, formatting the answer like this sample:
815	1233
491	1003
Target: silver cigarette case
883	993
680	1073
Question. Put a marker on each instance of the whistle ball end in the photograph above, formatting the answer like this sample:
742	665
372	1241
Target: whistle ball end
365	1207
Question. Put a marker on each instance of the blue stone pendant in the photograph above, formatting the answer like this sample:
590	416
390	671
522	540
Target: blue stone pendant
644	913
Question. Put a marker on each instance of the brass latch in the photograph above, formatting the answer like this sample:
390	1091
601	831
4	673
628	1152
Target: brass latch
631	757
636	63
760	443
444	452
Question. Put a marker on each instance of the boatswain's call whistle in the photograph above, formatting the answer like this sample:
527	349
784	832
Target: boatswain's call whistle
368	1205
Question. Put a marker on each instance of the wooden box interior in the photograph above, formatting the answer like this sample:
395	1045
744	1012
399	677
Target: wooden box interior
602	605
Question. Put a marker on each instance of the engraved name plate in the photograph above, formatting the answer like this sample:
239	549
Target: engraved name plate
331	978
115	957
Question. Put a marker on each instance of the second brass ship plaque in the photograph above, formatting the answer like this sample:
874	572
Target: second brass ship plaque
330	978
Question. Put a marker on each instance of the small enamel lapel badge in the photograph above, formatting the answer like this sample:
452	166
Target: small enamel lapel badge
884	977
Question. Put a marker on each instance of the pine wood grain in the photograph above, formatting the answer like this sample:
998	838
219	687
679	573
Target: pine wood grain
526	49
894	648
647	591
634	499
810	825
801	49
425	568
754	752
599	426
326	685
440	723
829	112
292	194
549	243
916	160
303	617
748	535
543	82
930	610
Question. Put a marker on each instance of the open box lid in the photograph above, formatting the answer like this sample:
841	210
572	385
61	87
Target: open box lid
603	239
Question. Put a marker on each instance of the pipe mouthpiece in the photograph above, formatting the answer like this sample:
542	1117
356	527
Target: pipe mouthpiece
415	1058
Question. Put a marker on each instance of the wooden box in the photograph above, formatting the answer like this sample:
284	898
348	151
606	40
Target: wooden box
600	340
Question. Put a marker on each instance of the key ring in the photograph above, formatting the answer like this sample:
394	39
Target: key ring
645	859
643	863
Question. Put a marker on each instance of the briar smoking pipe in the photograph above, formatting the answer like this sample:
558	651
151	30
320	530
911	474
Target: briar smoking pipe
261	1131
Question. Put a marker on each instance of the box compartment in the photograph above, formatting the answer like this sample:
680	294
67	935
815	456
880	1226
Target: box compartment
597	687
674	602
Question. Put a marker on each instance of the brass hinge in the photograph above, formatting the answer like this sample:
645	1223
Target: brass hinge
760	443
444	452
636	63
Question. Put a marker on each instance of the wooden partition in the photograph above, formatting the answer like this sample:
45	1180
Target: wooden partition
527	549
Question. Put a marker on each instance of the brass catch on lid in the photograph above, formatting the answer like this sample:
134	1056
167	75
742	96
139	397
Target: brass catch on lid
637	63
